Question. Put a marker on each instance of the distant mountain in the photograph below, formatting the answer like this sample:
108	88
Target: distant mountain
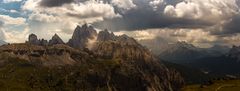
2	42
117	63
156	45
223	65
182	52
235	53
218	50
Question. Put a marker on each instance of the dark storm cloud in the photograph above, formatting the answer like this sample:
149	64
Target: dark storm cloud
145	17
233	26
58	3
54	3
228	29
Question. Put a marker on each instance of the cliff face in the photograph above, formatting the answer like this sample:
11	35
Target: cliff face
116	63
46	56
121	47
33	39
105	36
81	36
56	40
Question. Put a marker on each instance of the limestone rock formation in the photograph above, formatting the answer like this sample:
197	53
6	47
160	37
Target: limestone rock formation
105	36
33	39
56	40
81	36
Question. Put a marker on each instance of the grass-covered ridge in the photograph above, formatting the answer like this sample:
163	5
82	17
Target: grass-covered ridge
217	85
20	75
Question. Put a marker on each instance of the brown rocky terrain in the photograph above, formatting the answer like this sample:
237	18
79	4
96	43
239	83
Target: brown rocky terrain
116	63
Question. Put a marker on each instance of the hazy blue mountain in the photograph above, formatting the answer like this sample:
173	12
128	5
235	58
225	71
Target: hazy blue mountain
2	42
182	52
156	45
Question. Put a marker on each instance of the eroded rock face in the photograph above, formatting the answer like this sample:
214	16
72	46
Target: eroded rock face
56	40
55	55
105	36
81	36
33	39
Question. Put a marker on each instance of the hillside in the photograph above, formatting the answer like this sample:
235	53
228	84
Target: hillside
217	85
116	63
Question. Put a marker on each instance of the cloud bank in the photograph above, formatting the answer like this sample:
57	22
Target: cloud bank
195	21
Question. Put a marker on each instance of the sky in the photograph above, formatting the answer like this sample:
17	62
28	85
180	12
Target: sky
201	22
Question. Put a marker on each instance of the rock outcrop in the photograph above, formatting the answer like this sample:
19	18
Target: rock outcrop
81	36
105	36
121	47
33	39
56	40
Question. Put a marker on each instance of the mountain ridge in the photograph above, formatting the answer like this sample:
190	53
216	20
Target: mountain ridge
114	61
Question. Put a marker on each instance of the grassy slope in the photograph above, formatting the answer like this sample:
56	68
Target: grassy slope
221	85
19	75
191	75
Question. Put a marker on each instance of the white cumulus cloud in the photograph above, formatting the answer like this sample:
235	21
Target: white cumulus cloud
9	1
124	4
207	10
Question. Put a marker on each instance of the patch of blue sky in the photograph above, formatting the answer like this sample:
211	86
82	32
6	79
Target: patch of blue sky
10	8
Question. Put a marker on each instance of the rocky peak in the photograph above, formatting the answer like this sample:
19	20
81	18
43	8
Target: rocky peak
56	40
123	47
43	42
105	35
81	36
127	40
33	39
185	45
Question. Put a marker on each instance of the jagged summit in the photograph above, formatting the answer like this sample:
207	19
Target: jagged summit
56	40
33	39
184	44
81	35
105	35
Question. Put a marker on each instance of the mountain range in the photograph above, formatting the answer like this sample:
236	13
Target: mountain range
89	61
215	62
182	52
